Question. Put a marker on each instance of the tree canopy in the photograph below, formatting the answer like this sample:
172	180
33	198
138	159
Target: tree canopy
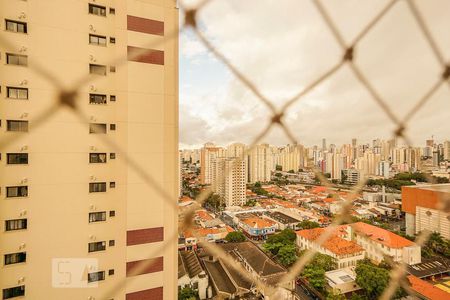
306	224
235	237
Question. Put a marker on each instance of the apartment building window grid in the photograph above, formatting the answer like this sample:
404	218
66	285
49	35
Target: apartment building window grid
96	276
17	125
97	99
95	158
13	292
16	224
17	158
97	128
16	26
99	216
16	59
16	191
17	93
99	40
97	10
15	258
97	187
96	246
97	69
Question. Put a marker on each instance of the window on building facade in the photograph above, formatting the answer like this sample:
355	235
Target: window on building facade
16	59
97	10
13	292
96	276
97	69
95	158
16	191
15	258
112	156
16	224
16	26
97	128
17	125
97	99
99	40
112	243
17	158
17	93
96	246
97	187
98	216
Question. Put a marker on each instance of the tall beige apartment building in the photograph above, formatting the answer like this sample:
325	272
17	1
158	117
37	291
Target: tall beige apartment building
229	180
68	200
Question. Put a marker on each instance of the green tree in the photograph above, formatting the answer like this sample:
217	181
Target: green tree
187	293
287	255
306	224
278	168
335	295
275	242
357	297
315	276
372	279
235	237
291	171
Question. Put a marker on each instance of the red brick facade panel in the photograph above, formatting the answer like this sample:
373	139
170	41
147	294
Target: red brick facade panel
145	236
150	294
145	25
145	266
150	56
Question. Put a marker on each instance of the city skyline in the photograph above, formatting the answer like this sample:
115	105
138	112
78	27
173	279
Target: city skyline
400	142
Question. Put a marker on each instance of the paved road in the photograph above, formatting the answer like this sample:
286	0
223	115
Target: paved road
302	293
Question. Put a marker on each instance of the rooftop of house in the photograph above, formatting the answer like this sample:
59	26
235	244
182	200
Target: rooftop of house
254	257
335	243
445	187
430	267
219	277
426	289
381	236
257	222
340	276
203	215
190	263
283	218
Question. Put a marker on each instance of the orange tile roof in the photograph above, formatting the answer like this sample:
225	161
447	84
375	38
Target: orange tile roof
258	222
229	229
334	243
318	189
426	289
204	215
329	200
382	236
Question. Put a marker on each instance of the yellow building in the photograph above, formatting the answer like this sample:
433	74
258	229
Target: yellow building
70	202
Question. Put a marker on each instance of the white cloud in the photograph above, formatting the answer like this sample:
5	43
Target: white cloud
283	45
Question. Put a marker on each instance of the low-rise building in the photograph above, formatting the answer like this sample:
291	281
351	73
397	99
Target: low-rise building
256	227
342	281
425	290
423	206
191	273
339	245
379	242
282	220
229	283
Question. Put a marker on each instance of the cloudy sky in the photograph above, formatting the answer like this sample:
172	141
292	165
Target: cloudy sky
282	45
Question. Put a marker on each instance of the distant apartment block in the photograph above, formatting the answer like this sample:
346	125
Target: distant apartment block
229	180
